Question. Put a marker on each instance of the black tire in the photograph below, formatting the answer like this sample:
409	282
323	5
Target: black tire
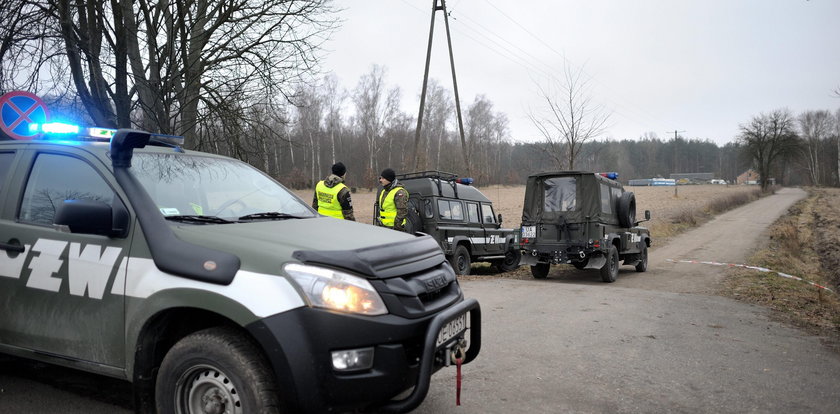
643	260
413	220
609	272
460	260
219	364
511	260
627	209
540	270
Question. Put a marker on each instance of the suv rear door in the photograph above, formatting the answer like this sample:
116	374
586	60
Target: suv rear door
59	295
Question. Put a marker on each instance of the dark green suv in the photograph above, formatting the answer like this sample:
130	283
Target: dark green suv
461	219
584	219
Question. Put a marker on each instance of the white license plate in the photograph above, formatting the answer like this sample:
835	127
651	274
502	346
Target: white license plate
452	329
529	232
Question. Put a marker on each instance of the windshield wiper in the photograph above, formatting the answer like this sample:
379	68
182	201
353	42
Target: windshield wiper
270	215
198	219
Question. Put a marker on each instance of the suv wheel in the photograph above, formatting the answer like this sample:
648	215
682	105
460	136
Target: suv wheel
643	259
215	370
461	260
610	270
540	270
511	260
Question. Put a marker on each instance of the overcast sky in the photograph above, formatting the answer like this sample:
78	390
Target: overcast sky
698	67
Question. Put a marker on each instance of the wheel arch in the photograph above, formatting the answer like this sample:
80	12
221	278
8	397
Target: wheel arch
158	335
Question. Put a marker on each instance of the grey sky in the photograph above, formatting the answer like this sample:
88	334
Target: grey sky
702	67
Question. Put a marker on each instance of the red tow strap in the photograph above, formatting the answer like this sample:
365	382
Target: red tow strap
458	381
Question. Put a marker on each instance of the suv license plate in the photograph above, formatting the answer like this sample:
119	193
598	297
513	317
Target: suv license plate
529	232
452	329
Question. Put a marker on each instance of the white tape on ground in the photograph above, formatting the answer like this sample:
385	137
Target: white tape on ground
760	269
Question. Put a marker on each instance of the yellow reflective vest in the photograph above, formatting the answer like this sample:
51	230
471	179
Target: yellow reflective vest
328	204
387	207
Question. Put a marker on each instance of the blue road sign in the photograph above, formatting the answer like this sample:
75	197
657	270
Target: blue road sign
18	109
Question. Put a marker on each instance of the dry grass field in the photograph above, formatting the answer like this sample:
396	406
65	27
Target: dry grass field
672	208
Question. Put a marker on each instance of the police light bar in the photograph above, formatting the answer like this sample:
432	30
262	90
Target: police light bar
465	181
64	131
610	175
54	128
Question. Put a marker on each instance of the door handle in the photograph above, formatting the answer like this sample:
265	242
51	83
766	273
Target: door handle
14	248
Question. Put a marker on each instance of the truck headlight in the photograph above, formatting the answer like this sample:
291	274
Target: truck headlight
335	290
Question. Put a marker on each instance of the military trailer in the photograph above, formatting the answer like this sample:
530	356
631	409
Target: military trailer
584	219
211	287
461	219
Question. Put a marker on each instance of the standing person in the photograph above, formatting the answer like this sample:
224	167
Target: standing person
332	197
392	202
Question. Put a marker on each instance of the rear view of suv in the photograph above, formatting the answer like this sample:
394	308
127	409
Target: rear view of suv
584	219
461	219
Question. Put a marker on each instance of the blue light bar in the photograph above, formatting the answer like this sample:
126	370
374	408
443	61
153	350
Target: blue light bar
465	180
54	128
610	175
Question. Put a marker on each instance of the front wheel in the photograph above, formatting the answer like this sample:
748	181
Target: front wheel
216	370
461	260
610	270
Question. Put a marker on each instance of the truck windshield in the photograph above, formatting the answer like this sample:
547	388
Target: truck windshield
183	185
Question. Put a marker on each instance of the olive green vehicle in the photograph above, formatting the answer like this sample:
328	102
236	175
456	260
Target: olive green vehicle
211	287
584	219
461	219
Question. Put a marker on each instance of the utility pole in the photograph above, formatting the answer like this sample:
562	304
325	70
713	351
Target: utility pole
439	5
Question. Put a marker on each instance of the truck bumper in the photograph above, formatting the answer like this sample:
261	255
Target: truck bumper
299	344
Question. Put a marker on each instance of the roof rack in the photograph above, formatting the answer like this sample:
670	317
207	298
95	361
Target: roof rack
440	175
436	176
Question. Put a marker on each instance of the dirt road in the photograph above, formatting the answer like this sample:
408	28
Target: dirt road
650	342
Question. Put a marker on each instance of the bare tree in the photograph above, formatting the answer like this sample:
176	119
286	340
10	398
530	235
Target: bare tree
569	119
767	138
168	66
815	130
370	108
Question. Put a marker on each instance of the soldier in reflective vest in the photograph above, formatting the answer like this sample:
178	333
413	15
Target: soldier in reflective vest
391	203
332	197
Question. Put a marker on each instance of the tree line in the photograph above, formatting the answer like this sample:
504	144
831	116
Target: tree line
239	78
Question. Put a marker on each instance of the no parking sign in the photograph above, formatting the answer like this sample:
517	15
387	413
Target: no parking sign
18	109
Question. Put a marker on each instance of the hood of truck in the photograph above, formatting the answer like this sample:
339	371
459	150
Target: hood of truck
264	246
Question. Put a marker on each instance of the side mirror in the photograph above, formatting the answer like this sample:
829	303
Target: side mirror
89	217
647	214
500	218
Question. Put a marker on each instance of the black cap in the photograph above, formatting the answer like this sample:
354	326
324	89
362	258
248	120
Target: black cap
388	174
339	169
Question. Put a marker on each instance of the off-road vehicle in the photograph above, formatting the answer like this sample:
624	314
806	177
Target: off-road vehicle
211	287
583	219
461	219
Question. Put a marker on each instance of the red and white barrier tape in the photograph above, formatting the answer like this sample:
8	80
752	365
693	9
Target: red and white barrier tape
760	269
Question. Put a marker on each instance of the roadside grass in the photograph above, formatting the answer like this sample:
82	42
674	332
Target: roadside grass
794	242
689	217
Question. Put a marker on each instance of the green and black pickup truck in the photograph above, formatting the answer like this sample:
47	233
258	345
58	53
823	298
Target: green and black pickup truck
211	287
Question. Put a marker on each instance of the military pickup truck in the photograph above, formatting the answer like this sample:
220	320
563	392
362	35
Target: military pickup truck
461	219
584	219
210	286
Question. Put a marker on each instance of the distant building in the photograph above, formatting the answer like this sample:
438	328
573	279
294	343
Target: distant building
748	177
652	182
